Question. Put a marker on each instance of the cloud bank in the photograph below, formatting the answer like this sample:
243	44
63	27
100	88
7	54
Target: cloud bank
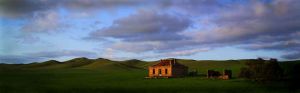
176	28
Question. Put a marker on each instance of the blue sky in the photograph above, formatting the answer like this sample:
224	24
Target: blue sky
39	30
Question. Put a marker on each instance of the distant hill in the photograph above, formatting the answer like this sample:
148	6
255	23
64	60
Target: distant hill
129	65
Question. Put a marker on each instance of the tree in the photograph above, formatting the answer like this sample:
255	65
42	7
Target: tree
262	70
295	77
245	73
272	70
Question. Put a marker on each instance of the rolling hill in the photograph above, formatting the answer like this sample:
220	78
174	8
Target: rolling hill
130	65
103	75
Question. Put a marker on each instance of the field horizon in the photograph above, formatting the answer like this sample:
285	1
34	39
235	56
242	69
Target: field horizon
102	75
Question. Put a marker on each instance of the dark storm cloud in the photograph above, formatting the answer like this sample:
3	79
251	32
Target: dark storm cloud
145	26
99	4
20	8
252	21
25	8
252	25
257	25
183	5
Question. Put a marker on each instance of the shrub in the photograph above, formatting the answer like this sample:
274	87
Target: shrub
262	70
245	73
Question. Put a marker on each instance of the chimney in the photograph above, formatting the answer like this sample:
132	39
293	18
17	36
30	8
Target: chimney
173	61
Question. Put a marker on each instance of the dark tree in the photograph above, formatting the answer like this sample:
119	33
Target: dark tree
272	71
245	73
294	78
262	70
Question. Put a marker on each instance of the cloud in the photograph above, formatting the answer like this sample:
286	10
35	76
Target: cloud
137	47
144	26
196	7
155	46
175	53
280	45
27	8
293	55
44	22
63	53
45	55
256	26
164	26
21	8
187	52
14	59
99	4
109	53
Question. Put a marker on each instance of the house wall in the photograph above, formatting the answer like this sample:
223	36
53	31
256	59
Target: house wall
179	72
163	72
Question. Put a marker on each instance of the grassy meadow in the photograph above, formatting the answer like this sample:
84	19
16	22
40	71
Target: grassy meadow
83	75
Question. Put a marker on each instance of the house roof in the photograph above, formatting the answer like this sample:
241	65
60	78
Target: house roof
163	63
168	62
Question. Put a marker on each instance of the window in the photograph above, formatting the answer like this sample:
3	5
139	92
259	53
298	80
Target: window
166	71
153	71
159	71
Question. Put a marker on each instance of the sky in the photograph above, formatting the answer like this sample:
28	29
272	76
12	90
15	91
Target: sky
40	30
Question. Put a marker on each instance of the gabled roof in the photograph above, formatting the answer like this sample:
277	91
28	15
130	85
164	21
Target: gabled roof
169	62
163	63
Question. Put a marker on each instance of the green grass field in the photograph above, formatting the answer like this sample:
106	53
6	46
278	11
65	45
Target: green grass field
105	76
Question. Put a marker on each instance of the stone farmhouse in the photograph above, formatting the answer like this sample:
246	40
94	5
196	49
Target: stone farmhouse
167	68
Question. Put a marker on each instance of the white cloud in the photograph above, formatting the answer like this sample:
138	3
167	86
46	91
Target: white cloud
44	22
144	26
187	52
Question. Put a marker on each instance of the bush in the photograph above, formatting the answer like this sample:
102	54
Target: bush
245	73
262	70
295	77
272	71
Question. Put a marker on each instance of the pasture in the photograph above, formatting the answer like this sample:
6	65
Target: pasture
104	76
